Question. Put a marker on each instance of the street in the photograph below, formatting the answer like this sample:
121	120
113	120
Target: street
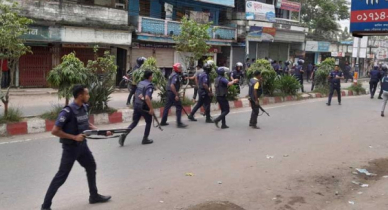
33	105
303	158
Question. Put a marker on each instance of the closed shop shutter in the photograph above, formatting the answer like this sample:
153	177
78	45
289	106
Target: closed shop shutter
164	58
136	53
34	68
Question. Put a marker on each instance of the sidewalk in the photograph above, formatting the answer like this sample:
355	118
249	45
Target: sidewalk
33	102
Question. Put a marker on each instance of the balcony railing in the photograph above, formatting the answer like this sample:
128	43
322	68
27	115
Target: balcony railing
162	27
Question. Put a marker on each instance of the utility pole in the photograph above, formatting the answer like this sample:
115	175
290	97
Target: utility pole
357	66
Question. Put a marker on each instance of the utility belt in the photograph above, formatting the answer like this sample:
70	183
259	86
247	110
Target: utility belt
70	142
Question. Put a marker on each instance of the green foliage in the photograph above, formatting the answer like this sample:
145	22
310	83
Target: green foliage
53	113
13	115
357	88
288	85
187	102
322	89
64	76
213	73
267	73
321	75
157	104
232	93
157	78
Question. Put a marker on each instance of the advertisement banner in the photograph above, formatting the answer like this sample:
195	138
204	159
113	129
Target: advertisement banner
260	11
268	34
228	3
314	46
200	17
291	6
369	16
255	33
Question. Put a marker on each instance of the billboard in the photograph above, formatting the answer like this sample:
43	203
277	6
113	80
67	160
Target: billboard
228	3
260	11
369	16
255	33
315	46
268	34
291	6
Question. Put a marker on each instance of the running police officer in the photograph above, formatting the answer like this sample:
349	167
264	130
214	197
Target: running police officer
384	87
298	73
237	74
375	77
384	69
335	84
139	62
286	69
254	95
71	122
221	85
173	86
347	72
143	107
204	93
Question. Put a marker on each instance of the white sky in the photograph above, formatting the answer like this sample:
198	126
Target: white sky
345	23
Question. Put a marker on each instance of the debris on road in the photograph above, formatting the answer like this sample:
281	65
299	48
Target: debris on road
385	177
360	193
285	155
364	171
189	174
355	172
370	147
270	157
365	185
356	183
161	201
336	193
219	182
351	202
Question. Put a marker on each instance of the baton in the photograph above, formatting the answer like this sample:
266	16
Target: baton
91	133
155	120
261	108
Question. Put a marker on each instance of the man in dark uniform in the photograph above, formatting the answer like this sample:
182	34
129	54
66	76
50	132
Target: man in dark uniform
221	85
309	71
335	84
143	107
204	93
286	68
298	73
237	74
139	62
173	87
375	77
71	123
312	77
347	72
275	66
384	87
384	69
254	95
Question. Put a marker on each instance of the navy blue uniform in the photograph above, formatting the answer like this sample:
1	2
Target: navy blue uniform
347	73
204	98
133	87
174	79
375	77
73	119
221	86
335	85
309	70
144	88
236	74
298	73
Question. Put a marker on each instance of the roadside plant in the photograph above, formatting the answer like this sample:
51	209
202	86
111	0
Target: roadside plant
321	75
357	88
268	75
287	85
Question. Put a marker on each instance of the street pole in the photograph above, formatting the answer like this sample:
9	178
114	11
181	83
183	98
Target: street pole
357	67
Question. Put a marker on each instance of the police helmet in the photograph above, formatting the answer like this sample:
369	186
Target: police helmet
221	71
140	61
210	62
287	63
300	61
177	67
239	64
207	68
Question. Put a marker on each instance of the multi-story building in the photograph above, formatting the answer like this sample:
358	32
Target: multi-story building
156	21
65	26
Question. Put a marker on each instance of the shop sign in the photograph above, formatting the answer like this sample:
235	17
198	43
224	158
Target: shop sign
228	3
282	26
89	35
381	54
291	6
255	33
337	54
260	11
268	34
369	16
315	46
42	33
215	49
151	45
83	46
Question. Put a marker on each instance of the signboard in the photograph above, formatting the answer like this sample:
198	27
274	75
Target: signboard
89	35
228	3
282	26
255	33
42	33
279	4
260	11
369	16
200	17
291	6
337	54
381	54
268	34
151	45
314	46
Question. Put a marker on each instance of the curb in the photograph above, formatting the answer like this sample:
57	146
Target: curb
38	125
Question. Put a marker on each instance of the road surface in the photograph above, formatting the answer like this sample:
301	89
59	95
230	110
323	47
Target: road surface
303	158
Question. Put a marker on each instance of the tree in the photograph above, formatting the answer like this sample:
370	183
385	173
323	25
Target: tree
321	16
12	26
345	35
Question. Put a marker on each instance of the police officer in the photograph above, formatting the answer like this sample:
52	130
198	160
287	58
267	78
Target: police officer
347	72
310	68
195	78
254	95
143	107
335	84
286	68
173	86
204	93
384	87
139	62
384	69
237	74
312	77
298	73
375	77
69	126
221	87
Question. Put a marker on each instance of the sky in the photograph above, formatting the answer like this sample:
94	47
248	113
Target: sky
345	23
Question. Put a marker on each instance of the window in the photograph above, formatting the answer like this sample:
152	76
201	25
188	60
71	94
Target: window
144	8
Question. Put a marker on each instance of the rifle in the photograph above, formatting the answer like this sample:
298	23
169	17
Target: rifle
155	120
91	134
261	108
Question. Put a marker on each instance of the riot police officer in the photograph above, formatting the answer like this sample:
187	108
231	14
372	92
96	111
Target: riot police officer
204	93
254	95
375	77
298	73
221	87
335	84
143	107
384	69
139	62
173	86
69	126
286	69
237	74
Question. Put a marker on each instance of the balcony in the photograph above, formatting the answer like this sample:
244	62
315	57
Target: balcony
73	13
168	28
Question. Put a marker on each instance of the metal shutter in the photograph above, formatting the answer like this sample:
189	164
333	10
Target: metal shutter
164	58
136	53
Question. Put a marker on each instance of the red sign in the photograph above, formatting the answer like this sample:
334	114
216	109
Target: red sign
376	15
290	6
271	31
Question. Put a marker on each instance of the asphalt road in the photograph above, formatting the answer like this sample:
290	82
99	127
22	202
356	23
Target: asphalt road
33	105
302	158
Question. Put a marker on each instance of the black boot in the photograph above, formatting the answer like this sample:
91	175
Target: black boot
209	120
181	125
45	208
164	124
191	118
99	199
224	127
147	141
382	114
122	138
